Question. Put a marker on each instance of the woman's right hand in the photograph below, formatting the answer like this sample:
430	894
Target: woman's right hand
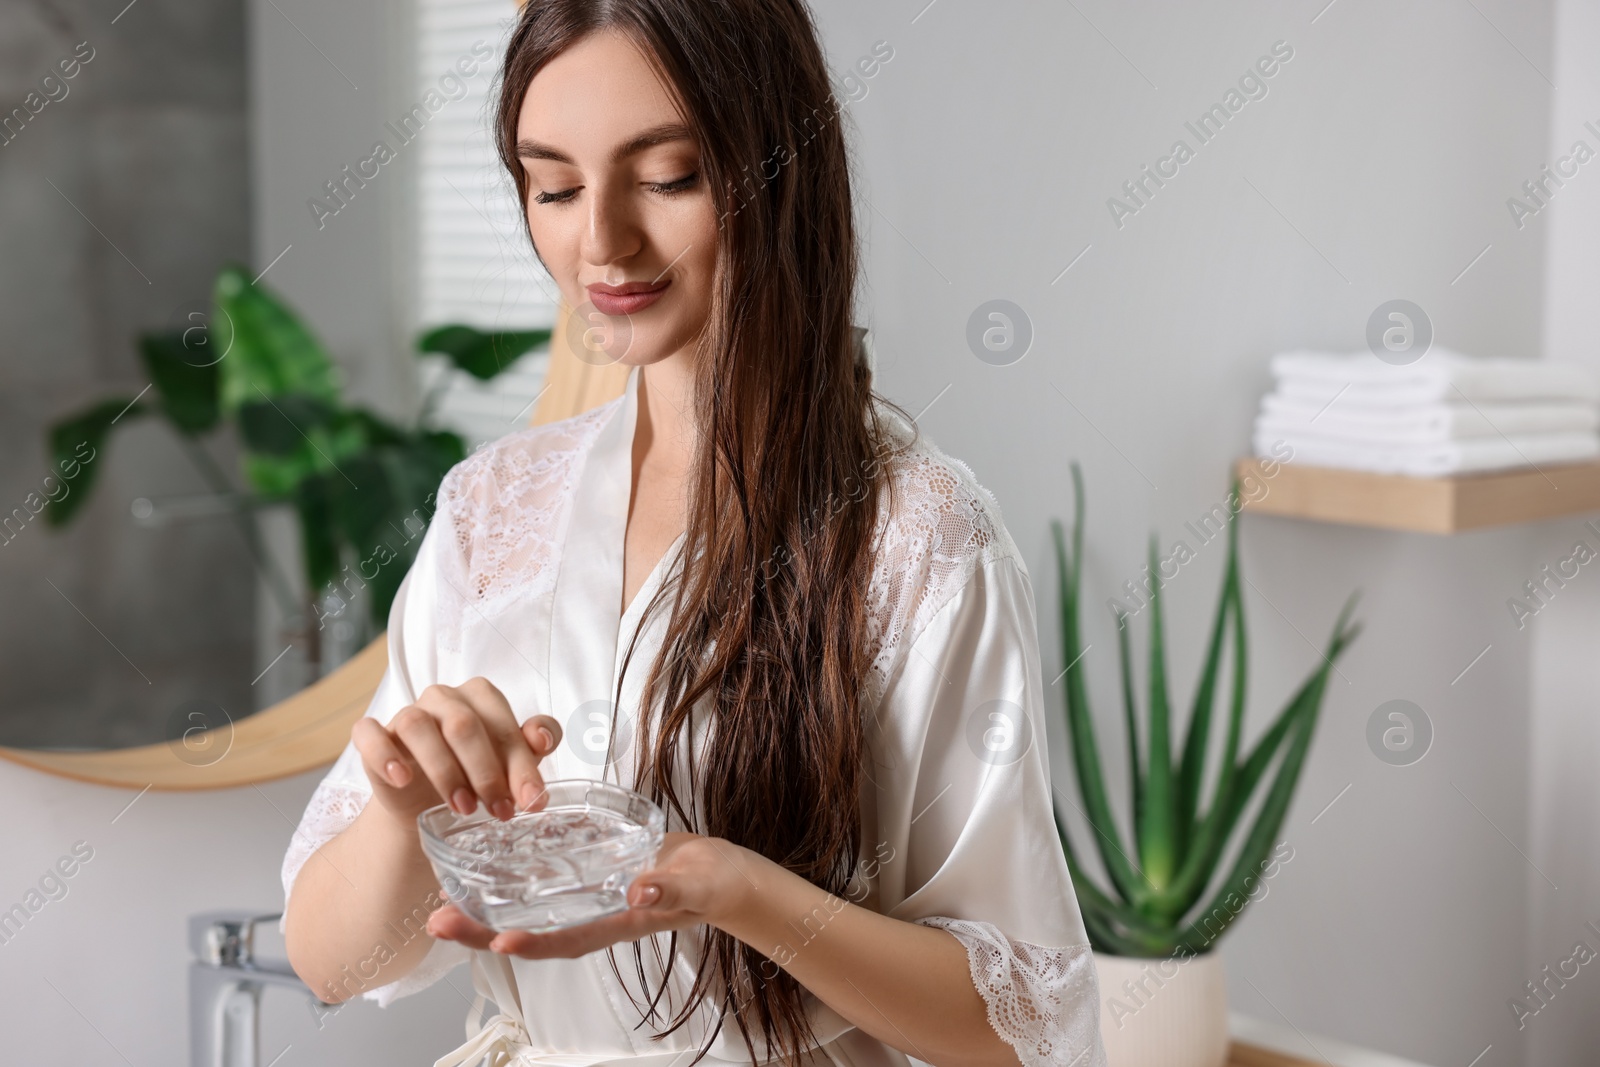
457	745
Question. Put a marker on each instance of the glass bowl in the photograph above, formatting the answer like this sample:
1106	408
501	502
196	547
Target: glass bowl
566	864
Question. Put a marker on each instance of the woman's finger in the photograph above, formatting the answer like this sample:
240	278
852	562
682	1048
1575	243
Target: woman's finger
518	754
512	760
381	753
450	923
543	734
669	891
418	730
467	717
575	941
537	738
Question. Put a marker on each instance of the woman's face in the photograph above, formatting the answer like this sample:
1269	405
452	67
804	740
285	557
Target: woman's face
617	207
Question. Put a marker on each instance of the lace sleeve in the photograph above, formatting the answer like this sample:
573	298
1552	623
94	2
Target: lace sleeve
937	527
964	835
414	661
334	805
1043	1002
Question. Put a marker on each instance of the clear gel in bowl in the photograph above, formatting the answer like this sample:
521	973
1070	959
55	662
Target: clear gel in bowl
566	864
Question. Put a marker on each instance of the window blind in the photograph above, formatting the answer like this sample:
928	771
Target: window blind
474	264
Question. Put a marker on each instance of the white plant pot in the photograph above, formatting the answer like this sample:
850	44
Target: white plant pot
1163	1013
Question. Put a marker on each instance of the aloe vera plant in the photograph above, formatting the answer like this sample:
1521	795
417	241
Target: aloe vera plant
1157	904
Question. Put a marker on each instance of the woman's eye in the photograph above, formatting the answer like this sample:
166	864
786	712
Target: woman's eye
678	185
554	198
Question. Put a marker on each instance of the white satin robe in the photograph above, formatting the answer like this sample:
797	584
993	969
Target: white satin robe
519	579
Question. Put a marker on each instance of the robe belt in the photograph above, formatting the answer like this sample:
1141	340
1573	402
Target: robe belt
504	1036
506	1042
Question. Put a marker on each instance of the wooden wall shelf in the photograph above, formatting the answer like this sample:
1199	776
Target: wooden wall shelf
1425	505
1243	1055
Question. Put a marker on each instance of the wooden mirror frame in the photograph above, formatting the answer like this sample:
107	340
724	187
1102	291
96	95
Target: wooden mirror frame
311	728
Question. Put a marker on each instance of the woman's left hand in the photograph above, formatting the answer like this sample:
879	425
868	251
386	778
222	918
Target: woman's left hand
695	880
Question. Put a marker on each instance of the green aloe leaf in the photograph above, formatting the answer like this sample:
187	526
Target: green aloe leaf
1219	823
1211	831
1091	786
1229	807
1107	934
1181	849
1158	839
480	354
1231	896
1192	769
1124	917
1130	715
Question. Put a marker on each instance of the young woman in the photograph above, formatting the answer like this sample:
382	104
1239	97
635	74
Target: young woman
805	631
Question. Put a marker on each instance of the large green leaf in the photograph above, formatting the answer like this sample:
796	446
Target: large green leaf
75	444
263	349
482	355
183	379
282	425
361	505
319	541
314	438
381	511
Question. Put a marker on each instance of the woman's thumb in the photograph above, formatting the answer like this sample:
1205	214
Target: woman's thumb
542	733
657	891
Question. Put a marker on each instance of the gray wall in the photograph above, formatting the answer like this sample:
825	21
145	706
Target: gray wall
1376	167
147	156
1565	797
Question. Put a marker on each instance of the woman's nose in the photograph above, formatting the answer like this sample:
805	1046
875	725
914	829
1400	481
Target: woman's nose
612	232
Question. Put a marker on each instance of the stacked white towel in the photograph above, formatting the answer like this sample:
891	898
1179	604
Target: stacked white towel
1444	414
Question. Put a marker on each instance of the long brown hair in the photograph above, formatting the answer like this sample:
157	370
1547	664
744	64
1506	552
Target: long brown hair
768	626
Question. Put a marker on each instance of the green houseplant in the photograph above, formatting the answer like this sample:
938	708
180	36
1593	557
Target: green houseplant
1172	887
361	486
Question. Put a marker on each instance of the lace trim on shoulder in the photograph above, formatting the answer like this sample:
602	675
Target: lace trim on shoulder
1044	1002
937	528
506	502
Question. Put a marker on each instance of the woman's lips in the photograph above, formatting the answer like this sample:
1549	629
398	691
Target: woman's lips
629	299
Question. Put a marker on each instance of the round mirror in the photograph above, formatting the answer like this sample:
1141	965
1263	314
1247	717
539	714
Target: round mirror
178	724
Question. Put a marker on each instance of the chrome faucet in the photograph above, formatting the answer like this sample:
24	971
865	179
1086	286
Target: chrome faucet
225	984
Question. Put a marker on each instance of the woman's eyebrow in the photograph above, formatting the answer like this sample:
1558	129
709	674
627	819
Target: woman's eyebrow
656	135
